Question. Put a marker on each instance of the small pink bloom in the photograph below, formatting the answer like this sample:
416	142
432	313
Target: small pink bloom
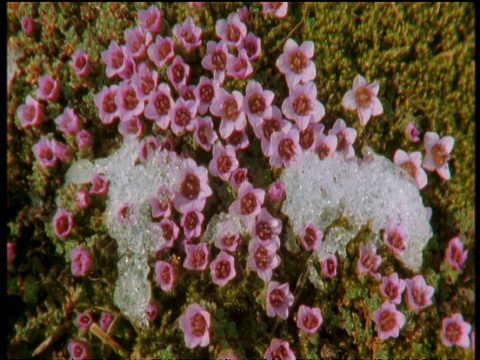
252	45
137	42
105	321
170	232
216	60
309	319
68	122
115	59
145	80
279	299
257	103
191	222
279	349
275	192
168	144
161	204
238	139
239	176
63	223
129	68
189	35
223	269
178	73
392	287
161	51
296	62
81	261
438	154
412	132
243	13
267	228
249	203
455	331
147	147
363	98
284	148
389	320
205	135
107	108
187	92
165	275
62	152
84	139
413	165
100	184
10	253
455	255
325	145
308	136
159	103
262	258
47	88
150	19
279	9
81	63
83	199
228	107
194	188
195	324
78	350
44	151
345	138
128	101
239	67
131	126
28	25
205	92
369	261
232	30
84	320
329	266
151	311
182	116
224	161
311	237
29	113
227	238
394	237
197	257
124	214
419	293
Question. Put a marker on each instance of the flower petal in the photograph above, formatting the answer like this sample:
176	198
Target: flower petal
364	114
377	107
349	101
358	82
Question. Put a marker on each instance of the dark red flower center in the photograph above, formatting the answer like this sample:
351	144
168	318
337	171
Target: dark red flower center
147	84
198	258
240	64
150	20
307	138
198	325
419	296
240	177
80	62
30	112
188	95
269	127
250	48
439	154
222	270
396	240
206	93
453	332
189	37
368	261
182	117
233	33
235	138
248	204
342	142
224	163
310	236
130	100
166	275
298	61
310	321
117	59
323	151
137	43
109	104
387	321
162	104
178	72
262	258
77	350
363	97
276	297
256	103
219	61
330	266
391	290
84	319
203	134
124	212
190	187
228	241
163	50
63	224
301	105
410	167
263	230
286	149
191	220
167	230
230	109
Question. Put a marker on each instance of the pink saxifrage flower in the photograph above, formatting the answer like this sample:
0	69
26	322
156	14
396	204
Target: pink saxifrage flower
182	116
115	59
170	232
279	299
262	258
228	237
195	324
419	293
137	42
438	154
63	223
216	60
81	261
308	136
178	73
161	204
84	140
223	269
161	51
275	192
278	9
325	145
128	101
413	165
197	256
455	331
392	287
412	132
131	127
204	133
29	113
189	35
151	311
100	185
194	187
83	199
309	319
369	261
296	62
47	88
265	127
394	237
239	67
252	45
28	25
159	103
84	320
267	228
145	80
165	275
239	176
329	266
284	148
257	103
191	222
68	122
311	237
363	98
105	320
455	255
232	30
78	350
150	19
147	147
389	320
249	202
107	108
279	349
11	255
228	107
205	92
345	138
224	161
81	63
243	13
45	152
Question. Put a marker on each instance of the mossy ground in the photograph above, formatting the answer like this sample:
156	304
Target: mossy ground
422	55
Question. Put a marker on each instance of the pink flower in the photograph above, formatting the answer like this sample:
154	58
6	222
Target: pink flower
78	350
83	199
413	165
151	311
232	30
392	287
84	140
275	192
47	88
187	92
265	127
239	67
161	51
279	9
308	136
262	258
191	222
227	238
161	204
345	138
68	122
419	293
182	116
178	73
81	261
105	320
228	107
302	106
296	62
238	139
455	331
309	319
438	154
165	275
168	144
81	63
10	253
131	126
107	108
128	101
325	145
30	113
194	188
48	152
455	255
389	320
159	103
204	134
195	324
63	223
249	202
369	261
329	266
28	25
257	103
197	257
252	46
216	60
223	269
115	59
205	92
170	232
151	19
189	35
84	320
267	228
224	161
145	80
284	148
147	147
363	98
412	132
100	184
243	13
311	237
279	349
394	237
279	299
137	42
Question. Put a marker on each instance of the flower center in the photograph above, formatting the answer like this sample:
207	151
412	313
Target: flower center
188	95
228	240
396	240
233	33
410	168
367	261
80	62
162	104
262	258
286	149
235	138
264	231
108	103
203	134
256	103
440	155
298	61
182	117
147	84
130	100
230	109
250	48
330	266
342	142
323	151
150	20
164	49
363	97
419	296
219	61
117	59
240	64
310	236
391	290
47	154
222	270
198	258
456	255
137	43
178	72
388	321
224	163
301	105
248	204
189	37
191	220
30	112
453	332
167	230
63	224
277	297
269	127
274	6
198	324
84	319
307	138
166	275
206	93
78	351
190	187
240	177
310	321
